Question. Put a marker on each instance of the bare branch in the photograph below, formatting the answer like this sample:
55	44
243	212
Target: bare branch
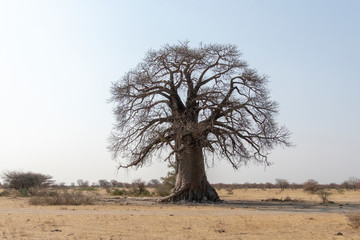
207	94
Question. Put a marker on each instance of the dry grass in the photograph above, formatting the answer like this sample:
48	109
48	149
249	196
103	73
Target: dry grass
19	220
261	194
354	219
64	197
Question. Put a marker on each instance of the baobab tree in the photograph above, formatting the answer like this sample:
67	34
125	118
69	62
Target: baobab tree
186	104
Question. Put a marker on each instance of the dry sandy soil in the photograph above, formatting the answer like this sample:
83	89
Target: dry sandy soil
243	215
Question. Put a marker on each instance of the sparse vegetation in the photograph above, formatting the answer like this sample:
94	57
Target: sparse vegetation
63	197
170	178
119	192
138	188
153	183
324	195
354	219
352	183
104	183
154	187
286	199
83	183
89	188
230	190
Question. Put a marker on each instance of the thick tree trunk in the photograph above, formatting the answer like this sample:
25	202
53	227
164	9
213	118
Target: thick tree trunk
191	182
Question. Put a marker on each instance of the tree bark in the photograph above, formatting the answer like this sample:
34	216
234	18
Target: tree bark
191	182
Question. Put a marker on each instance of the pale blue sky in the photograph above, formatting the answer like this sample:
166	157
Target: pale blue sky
58	59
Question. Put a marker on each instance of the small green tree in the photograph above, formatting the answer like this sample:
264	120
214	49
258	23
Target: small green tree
168	182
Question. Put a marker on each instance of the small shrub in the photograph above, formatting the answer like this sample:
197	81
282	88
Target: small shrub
354	219
229	191
286	199
63	198
119	192
24	192
324	195
341	191
87	189
170	178
4	193
144	193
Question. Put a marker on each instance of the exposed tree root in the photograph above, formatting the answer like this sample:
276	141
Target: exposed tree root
172	196
185	193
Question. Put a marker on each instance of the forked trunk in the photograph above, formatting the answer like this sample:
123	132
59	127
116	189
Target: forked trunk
191	182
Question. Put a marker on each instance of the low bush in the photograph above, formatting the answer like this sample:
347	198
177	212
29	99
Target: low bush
324	195
119	192
63	197
170	178
4	193
286	199
229	191
24	192
86	188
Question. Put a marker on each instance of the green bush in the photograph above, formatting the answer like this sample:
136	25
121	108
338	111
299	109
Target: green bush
87	189
24	192
170	179
119	192
4	193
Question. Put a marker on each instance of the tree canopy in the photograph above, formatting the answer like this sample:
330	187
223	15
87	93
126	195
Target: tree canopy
179	97
209	92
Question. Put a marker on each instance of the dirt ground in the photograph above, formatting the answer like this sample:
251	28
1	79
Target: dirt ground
243	215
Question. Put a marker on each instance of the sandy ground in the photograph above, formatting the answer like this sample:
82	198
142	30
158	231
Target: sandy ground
242	216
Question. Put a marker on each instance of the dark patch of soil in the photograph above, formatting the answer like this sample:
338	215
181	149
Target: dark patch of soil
264	205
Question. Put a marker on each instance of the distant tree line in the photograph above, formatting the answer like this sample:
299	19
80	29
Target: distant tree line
29	180
311	185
